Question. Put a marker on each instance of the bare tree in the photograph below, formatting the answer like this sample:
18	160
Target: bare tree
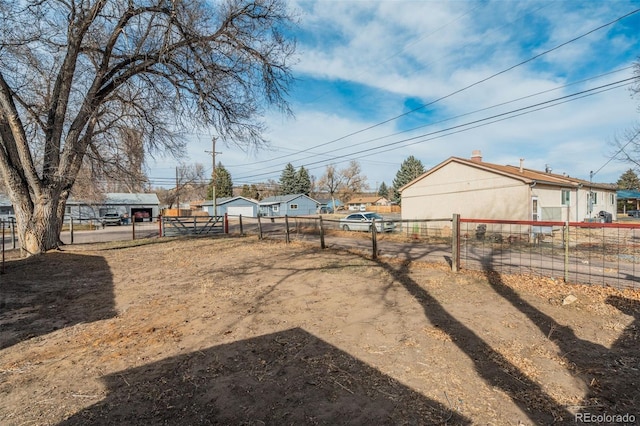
76	75
191	184
344	182
627	146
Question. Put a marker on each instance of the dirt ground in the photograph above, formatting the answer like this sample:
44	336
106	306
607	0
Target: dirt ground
242	331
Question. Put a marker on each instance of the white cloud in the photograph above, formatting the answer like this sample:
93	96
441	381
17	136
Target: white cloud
392	51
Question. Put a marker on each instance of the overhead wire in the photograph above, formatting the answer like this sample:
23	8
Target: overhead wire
367	141
478	82
555	101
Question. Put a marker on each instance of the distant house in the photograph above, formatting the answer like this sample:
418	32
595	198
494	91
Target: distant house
363	202
328	203
233	206
476	189
6	208
289	205
140	206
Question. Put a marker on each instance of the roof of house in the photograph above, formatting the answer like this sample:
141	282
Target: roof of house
225	200
365	199
276	199
527	176
123	198
126	198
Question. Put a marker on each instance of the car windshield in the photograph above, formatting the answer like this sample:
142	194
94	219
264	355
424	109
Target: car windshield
371	216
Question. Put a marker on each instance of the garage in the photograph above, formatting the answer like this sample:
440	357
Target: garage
246	211
233	206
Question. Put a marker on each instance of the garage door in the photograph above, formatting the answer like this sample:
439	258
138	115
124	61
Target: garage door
237	211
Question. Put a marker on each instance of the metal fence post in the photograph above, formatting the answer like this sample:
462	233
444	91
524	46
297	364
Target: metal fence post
565	236
240	221
71	229
286	222
455	243
374	239
322	246
226	223
133	229
13	233
2	268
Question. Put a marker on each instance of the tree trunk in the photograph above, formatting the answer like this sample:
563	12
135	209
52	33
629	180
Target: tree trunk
39	221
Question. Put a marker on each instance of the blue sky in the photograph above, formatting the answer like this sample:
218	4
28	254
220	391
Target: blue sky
378	81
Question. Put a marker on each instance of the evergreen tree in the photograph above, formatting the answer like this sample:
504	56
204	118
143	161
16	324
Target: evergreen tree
223	183
250	191
288	180
383	191
629	180
303	181
410	169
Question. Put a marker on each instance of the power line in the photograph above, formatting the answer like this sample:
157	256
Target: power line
508	114
483	80
443	120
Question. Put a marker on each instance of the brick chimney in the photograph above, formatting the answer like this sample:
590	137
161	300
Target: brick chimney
476	156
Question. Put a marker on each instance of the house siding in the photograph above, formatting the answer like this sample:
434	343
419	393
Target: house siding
468	191
480	191
284	206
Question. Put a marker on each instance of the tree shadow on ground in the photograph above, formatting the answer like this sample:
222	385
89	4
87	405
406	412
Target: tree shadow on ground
611	374
34	301
490	365
288	377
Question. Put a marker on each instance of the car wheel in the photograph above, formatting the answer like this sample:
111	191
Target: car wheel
345	227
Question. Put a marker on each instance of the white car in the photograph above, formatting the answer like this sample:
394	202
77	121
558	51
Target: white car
363	221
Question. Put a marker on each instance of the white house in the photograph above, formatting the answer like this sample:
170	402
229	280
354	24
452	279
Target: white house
480	190
361	203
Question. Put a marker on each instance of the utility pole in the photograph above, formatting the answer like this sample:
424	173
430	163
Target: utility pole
213	174
177	191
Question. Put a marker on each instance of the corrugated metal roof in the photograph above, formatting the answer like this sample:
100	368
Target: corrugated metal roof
628	194
110	198
126	198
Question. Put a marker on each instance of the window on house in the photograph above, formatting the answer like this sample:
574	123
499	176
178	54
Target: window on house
566	197
293	206
68	209
594	197
612	199
275	207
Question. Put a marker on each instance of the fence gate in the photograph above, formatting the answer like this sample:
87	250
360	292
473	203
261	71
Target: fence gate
191	225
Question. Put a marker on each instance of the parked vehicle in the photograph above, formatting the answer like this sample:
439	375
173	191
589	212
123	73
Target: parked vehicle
111	219
634	213
325	210
141	216
363	221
